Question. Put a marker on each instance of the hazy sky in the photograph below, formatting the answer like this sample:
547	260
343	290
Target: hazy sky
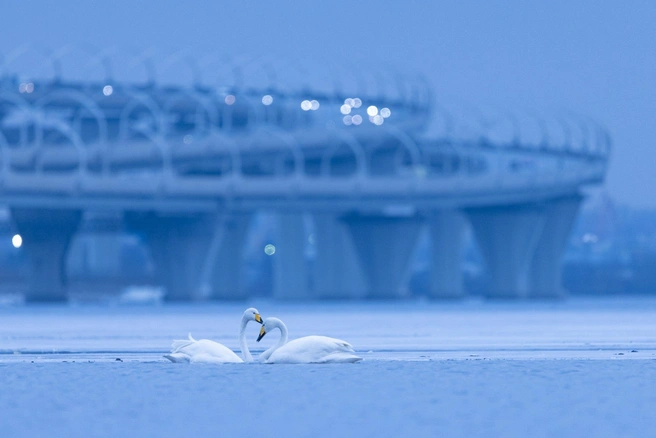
593	57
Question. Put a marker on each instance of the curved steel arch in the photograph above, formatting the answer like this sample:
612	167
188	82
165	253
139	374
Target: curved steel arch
103	58
202	102
410	145
291	143
233	148
352	142
4	154
70	134
18	52
140	99
88	103
24	106
183	57
145	58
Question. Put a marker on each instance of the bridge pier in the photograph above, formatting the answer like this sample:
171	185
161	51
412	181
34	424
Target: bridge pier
384	245
226	260
446	230
507	237
337	270
545	273
179	246
290	265
46	235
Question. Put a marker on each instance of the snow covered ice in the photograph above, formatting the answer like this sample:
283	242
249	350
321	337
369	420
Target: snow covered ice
576	368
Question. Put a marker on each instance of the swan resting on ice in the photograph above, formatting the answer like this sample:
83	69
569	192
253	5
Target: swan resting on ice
309	349
206	351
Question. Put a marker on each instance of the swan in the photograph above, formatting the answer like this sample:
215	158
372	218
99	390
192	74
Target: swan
208	351
309	349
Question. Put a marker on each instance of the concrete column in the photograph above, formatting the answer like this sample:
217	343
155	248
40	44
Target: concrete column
447	230
289	263
46	237
179	246
507	237
545	272
337	270
226	260
384	245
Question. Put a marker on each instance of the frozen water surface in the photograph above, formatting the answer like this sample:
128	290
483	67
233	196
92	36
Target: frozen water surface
576	368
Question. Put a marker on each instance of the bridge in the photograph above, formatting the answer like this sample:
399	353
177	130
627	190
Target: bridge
187	167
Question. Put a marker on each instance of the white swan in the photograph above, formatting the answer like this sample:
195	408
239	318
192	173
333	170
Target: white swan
309	349
207	351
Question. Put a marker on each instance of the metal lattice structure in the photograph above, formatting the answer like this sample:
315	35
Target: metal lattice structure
148	144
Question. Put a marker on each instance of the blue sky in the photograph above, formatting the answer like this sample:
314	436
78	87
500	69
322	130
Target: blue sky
592	57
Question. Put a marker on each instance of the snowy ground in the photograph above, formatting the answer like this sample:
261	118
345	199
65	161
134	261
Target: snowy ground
576	368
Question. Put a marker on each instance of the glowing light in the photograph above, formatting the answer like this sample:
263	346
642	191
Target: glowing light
590	238
26	87
311	239
385	112
314	105
345	109
230	99
377	119
357	119
348	120
372	110
267	100
17	241
357	103
108	90
269	250
187	139
306	105
350	102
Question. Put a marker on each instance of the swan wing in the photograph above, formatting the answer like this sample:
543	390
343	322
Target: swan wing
202	351
314	349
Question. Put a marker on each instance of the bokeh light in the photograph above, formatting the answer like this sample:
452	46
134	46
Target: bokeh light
17	241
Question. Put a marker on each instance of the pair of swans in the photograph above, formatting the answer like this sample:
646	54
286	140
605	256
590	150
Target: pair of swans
309	349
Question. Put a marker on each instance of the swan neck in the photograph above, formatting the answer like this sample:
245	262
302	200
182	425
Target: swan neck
282	341
245	352
283	334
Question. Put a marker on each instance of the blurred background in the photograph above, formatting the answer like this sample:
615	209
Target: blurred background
350	150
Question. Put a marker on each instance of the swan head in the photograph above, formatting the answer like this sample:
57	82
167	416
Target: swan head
252	314
268	325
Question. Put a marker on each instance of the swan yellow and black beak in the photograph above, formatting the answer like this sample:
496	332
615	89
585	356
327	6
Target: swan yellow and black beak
258	318
262	333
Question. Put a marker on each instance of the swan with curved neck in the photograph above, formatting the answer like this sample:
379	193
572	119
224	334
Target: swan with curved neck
204	350
308	349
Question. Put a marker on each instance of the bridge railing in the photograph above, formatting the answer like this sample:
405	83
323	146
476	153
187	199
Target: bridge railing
245	135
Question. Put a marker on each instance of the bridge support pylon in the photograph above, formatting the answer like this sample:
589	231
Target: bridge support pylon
337	271
226	260
446	229
384	245
179	246
46	235
291	279
507	236
545	275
